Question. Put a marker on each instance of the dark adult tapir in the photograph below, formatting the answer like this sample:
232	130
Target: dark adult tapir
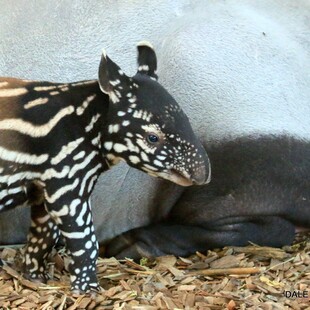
243	80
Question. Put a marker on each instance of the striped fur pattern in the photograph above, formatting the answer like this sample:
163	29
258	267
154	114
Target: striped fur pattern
56	139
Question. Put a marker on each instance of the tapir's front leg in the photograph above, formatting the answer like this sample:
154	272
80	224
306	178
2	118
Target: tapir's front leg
74	220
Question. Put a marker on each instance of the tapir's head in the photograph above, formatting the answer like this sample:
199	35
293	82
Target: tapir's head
147	128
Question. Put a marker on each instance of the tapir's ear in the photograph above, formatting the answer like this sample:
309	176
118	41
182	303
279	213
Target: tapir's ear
147	62
112	80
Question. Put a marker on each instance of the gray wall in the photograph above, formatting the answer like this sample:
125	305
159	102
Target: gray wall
237	67
253	55
62	40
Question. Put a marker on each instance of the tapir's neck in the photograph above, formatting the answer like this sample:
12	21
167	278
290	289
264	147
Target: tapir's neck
91	108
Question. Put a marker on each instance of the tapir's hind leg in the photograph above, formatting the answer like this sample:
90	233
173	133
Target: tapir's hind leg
182	240
42	237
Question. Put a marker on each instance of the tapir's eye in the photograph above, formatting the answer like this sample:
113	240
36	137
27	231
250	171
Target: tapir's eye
152	138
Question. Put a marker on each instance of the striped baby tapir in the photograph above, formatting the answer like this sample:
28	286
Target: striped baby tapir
56	139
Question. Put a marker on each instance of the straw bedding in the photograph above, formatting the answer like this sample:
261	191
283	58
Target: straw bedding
251	277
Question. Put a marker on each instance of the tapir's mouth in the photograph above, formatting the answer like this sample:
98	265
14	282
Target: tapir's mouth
180	178
176	177
183	178
172	176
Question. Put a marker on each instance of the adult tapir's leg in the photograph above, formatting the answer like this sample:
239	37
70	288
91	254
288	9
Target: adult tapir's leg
42	237
181	240
195	226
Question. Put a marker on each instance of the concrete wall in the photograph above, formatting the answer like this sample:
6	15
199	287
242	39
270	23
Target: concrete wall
229	57
62	40
237	67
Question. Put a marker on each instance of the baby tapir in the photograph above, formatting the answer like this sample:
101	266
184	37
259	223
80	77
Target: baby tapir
56	139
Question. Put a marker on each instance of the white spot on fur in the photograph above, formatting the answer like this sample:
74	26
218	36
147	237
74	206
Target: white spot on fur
76	202
66	150
29	129
138	113
121	113
89	174
80	110
12	92
93	121
114	83
96	141
119	148
35	103
44	88
134	159
76	235
113	97
83	210
54	93
83	164
4	83
144	68
62	191
144	157
22	158
161	157
93	254
114	128
158	163
131	147
108	145
79	155
88	244
125	123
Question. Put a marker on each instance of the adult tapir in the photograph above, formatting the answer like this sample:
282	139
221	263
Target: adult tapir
245	85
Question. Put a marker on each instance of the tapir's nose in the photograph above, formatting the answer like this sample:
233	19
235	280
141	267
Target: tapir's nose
202	175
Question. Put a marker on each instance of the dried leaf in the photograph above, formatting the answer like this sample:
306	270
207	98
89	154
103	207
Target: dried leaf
270	282
172	283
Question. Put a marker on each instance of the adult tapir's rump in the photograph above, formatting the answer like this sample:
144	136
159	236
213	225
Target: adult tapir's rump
242	73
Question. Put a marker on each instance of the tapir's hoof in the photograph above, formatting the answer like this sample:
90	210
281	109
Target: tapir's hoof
93	292
36	278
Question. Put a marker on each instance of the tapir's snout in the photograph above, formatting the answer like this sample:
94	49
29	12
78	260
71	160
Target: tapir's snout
195	174
203	174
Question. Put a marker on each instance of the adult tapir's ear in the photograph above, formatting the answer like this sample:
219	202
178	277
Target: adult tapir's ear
147	62
112	80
